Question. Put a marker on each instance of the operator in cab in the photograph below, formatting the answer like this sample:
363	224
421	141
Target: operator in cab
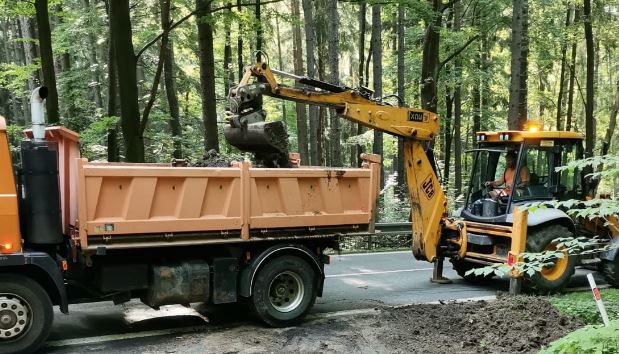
507	178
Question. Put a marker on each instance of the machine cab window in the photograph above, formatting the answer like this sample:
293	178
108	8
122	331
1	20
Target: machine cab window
506	174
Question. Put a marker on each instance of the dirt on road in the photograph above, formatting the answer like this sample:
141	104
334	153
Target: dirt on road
507	325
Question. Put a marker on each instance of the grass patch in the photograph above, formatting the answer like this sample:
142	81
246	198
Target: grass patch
582	306
588	340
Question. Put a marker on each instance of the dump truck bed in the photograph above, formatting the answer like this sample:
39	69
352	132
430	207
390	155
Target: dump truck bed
150	205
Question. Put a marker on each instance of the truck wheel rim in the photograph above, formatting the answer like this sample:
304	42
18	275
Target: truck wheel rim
15	317
560	265
286	291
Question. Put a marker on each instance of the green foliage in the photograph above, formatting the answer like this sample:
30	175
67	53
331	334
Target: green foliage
588	340
15	134
13	76
531	263
582	306
93	139
394	203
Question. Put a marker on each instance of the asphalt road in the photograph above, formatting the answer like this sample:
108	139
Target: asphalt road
353	282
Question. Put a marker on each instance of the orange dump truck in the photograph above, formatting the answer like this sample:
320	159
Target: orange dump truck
77	231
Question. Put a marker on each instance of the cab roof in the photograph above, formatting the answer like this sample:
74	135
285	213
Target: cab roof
522	135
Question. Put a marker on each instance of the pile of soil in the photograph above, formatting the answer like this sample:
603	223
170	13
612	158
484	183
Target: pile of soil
508	325
521	324
212	158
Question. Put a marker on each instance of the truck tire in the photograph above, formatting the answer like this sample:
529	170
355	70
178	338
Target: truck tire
284	291
26	314
462	266
610	270
555	278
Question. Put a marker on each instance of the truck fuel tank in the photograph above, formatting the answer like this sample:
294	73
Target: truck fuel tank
178	283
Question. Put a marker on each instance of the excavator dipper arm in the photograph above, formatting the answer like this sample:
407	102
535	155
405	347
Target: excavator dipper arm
416	126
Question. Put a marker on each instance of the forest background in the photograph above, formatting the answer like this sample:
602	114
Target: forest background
147	80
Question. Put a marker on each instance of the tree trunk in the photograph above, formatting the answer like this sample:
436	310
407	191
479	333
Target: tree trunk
485	85
258	31
207	75
430	59
5	95
589	119
23	60
47	61
562	74
612	123
113	154
29	34
314	118
477	87
299	70
458	107
127	83
362	29
401	92
169	67
334	62
239	41
94	62
228	76
377	78
448	136
517	115
572	81
281	65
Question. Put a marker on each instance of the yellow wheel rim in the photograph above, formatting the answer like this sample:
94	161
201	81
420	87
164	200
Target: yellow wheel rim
555	272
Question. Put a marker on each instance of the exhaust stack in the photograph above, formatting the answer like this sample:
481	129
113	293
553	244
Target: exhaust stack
37	108
39	185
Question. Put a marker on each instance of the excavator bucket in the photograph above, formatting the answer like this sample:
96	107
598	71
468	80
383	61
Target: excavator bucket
259	137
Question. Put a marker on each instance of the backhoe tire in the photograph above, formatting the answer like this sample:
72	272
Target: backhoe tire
462	266
610	270
284	291
551	279
26	314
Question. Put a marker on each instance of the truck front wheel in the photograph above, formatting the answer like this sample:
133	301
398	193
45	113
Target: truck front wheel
284	290
26	314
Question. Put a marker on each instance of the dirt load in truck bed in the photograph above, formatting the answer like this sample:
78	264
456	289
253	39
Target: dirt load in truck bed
520	324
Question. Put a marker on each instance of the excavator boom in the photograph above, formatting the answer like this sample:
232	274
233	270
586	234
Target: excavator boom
247	131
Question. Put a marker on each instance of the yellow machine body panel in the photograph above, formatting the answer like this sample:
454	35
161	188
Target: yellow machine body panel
517	136
10	239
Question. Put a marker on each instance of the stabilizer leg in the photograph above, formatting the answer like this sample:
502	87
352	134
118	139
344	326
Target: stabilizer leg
437	273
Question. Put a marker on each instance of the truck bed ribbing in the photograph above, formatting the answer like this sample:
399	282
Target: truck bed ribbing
140	204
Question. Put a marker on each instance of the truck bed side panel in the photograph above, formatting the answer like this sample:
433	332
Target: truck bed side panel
117	199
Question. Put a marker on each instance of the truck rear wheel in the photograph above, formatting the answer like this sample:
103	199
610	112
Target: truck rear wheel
284	291
556	277
26	314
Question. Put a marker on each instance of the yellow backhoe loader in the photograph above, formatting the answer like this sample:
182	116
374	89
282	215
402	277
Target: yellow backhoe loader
490	228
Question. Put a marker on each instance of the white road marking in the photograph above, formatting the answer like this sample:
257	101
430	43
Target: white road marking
378	272
370	254
123	336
